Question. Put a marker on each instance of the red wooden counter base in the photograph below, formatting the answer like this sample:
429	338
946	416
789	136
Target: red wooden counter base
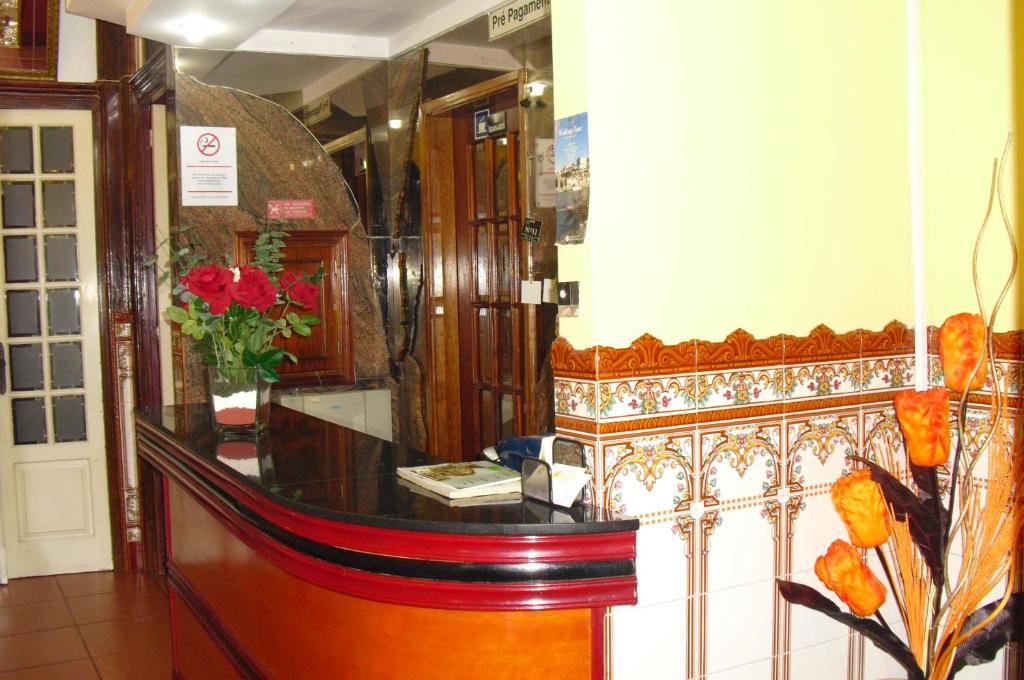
250	599
276	624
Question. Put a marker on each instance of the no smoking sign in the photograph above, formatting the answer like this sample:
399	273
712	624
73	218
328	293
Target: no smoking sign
208	144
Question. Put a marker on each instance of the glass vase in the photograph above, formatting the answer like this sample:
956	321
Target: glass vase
239	401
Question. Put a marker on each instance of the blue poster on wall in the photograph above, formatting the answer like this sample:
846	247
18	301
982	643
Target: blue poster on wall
572	179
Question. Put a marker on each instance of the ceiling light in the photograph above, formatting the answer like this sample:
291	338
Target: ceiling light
196	29
395	123
535	89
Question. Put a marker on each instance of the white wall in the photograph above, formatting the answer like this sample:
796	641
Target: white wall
76	48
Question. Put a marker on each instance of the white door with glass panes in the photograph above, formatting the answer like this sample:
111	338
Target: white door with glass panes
53	481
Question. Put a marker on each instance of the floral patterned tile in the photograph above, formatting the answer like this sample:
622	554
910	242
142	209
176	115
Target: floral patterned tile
936	376
628	398
649	474
887	373
817	448
1009	375
822	380
739	388
574	398
740	461
881	434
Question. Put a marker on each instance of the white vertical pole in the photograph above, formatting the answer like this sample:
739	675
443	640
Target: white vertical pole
916	164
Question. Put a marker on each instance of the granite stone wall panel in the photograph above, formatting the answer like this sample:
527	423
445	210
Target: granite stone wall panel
277	159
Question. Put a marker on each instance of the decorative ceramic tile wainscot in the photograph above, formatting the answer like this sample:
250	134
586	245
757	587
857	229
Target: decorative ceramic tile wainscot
726	452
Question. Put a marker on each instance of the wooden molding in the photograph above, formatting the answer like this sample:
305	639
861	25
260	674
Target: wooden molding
26	94
471	94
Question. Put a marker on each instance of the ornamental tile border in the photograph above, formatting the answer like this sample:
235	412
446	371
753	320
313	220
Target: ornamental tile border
654	383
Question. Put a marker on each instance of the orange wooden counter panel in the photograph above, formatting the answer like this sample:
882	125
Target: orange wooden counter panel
303	556
294	629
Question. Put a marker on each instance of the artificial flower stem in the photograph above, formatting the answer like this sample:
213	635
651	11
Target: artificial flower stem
892	583
881	619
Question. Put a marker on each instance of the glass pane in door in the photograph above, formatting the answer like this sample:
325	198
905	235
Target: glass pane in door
500	177
62	311
15	150
508	415
479	175
61	257
66	365
20	259
504	346
481	264
59	204
69	418
22	313
29	417
58	152
19	204
483	351
26	367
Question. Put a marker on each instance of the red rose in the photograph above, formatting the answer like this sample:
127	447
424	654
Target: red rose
301	292
210	283
253	289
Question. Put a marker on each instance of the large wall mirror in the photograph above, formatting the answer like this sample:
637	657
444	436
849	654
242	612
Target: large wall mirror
28	39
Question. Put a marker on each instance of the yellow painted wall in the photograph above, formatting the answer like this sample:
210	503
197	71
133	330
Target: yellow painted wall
749	161
969	109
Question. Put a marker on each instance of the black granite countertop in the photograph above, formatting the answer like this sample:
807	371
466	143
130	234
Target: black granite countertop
329	471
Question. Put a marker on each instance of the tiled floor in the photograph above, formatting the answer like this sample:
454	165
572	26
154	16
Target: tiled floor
84	626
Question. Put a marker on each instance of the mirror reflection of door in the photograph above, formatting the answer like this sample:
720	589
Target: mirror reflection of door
485	154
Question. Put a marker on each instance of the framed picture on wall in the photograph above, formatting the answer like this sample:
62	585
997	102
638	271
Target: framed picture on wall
28	39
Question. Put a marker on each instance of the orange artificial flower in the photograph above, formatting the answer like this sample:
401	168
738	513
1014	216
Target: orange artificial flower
924	420
961	347
859	502
844	573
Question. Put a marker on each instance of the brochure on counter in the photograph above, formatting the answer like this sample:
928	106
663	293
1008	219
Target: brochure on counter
499	473
463	480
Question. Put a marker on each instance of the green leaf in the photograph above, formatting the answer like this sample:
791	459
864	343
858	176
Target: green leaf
310	320
286	332
291	357
198	333
293	318
188	326
302	329
177	314
269	374
271	357
249	358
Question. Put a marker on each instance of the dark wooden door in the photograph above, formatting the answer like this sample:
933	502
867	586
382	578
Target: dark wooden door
325	356
487	209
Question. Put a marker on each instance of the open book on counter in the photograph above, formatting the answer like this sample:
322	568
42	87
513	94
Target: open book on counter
463	480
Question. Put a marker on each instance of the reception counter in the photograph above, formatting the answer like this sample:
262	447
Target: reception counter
304	556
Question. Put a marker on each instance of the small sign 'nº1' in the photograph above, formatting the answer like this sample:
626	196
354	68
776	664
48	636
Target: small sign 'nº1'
531	230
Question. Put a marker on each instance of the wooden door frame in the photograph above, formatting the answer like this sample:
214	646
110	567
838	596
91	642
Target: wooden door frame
441	274
101	99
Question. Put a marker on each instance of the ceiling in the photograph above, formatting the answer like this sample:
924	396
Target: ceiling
368	29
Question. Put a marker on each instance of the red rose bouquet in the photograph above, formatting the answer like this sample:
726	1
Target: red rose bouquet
235	313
